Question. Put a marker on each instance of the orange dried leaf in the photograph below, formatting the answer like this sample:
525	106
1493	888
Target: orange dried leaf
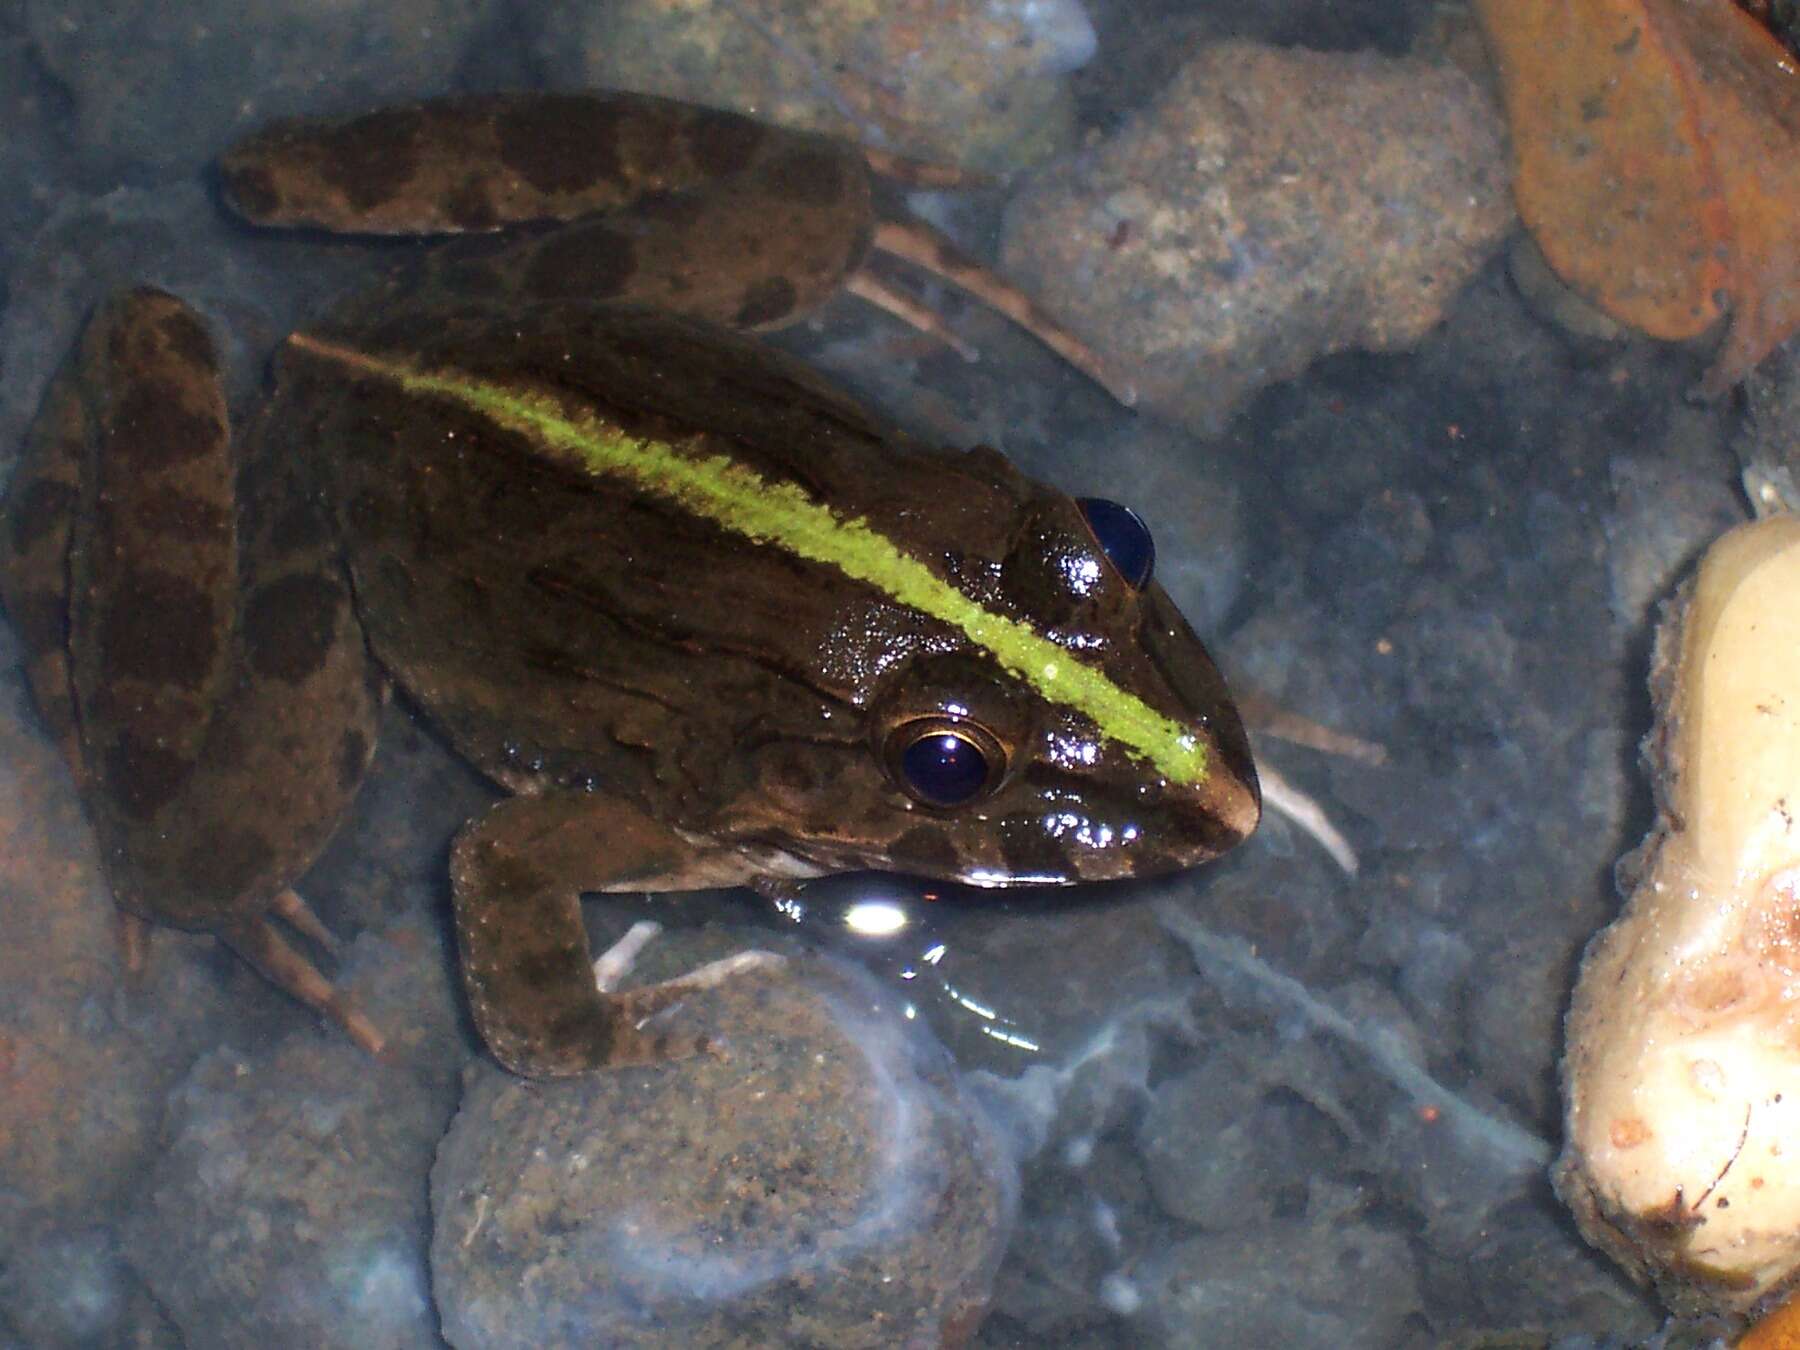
1657	149
1780	1330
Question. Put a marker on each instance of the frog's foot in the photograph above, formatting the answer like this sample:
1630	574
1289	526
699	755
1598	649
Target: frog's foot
273	957
1304	811
913	313
255	939
517	875
616	962
931	250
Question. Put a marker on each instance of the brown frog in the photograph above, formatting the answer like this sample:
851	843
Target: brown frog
707	620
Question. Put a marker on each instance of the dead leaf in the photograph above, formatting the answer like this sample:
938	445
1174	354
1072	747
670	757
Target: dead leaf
1657	163
1780	1330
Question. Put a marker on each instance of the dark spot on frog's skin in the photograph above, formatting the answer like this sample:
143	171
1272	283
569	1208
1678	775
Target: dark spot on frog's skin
555	150
230	861
251	190
543	970
396	582
765	302
142	777
153	429
373	158
186	336
581	1033
181	516
507	874
471	207
811	177
670	212
41	506
474	278
596	263
161	629
793	773
722	143
299	529
289	626
364	511
1029	850
353	758
929	849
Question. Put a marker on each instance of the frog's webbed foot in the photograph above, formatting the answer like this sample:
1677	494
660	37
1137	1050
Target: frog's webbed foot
925	247
517	875
255	939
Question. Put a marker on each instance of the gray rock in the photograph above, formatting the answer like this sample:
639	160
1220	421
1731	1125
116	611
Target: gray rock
1327	1282
826	1184
1270	206
296	1181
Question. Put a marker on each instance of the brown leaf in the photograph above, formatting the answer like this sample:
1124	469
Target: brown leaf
1657	149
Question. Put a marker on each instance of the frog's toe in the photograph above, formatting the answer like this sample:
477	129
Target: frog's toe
617	961
715	973
640	1036
282	965
291	907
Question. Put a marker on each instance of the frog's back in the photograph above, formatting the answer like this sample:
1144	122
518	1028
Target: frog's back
570	624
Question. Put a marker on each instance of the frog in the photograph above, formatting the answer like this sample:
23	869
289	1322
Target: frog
701	617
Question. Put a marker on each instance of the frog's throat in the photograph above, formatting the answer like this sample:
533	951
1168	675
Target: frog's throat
779	514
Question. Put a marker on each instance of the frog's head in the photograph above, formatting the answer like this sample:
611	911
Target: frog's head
1070	728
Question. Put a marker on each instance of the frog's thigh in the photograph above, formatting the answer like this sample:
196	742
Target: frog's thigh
153	559
220	683
517	875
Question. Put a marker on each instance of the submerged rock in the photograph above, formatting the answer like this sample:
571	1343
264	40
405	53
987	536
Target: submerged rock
826	1184
1269	207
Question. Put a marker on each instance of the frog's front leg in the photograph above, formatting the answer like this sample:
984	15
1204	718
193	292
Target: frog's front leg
517	875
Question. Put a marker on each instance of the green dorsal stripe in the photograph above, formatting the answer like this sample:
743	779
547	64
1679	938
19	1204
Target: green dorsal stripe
780	514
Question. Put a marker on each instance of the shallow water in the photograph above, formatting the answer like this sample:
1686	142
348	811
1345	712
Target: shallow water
1262	1103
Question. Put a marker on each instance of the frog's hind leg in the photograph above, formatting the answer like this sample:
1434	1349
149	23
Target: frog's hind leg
255	939
918	243
517	875
199	664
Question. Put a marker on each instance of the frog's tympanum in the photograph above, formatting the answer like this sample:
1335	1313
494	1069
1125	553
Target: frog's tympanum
703	617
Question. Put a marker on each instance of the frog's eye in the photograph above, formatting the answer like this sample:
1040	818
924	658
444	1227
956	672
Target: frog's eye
943	761
1123	538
